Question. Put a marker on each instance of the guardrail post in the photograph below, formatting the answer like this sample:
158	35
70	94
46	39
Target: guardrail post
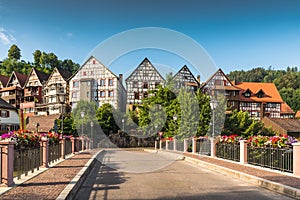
73	140
296	159
194	143
213	150
88	143
160	144
243	152
174	144
7	162
62	146
82	144
167	144
45	146
185	145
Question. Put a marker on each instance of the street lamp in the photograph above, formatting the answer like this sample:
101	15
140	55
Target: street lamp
92	124
175	119
82	113
123	124
155	129
62	98
213	105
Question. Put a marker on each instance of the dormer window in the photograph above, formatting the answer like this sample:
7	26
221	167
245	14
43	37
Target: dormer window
247	93
260	93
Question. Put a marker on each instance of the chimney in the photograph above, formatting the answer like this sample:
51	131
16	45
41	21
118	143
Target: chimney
121	78
198	79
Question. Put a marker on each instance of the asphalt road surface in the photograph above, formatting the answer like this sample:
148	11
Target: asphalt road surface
140	175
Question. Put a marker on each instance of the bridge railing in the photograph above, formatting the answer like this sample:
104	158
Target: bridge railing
18	162
284	159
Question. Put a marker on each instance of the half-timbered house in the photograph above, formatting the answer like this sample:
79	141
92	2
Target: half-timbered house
185	78
144	78
95	82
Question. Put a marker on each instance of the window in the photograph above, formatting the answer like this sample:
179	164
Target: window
247	94
87	94
110	82
102	82
84	73
135	84
75	84
102	94
145	85
94	61
4	113
74	95
145	94
136	95
110	93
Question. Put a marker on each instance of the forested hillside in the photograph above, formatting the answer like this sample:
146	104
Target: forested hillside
43	61
287	81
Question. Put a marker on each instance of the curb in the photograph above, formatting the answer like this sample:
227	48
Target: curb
72	188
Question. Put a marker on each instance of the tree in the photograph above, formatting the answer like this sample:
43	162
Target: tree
89	109
204	113
106	120
37	58
14	52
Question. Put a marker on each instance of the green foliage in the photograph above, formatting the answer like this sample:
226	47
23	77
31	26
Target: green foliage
14	52
106	119
45	62
69	128
89	109
240	123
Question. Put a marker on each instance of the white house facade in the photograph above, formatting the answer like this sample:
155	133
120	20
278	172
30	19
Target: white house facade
95	82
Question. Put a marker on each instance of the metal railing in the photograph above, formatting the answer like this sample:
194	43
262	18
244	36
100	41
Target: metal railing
228	151
274	158
171	145
163	145
204	146
79	146
26	160
68	147
179	145
54	153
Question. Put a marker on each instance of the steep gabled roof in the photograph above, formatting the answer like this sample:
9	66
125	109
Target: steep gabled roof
46	122
42	76
4	80
227	87
290	125
145	61
64	73
189	73
22	78
90	58
5	105
286	109
270	90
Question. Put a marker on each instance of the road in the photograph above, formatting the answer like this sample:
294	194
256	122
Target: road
141	175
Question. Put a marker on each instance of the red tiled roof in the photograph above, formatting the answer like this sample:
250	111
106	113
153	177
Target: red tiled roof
271	93
286	109
46	122
290	125
297	114
22	78
4	80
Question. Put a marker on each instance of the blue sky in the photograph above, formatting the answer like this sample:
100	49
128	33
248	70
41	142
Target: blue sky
236	34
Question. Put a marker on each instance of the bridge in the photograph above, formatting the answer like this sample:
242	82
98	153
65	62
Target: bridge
150	174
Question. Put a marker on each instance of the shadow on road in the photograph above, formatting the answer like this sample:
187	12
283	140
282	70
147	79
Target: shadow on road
100	181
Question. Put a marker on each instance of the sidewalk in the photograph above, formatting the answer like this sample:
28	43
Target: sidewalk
51	182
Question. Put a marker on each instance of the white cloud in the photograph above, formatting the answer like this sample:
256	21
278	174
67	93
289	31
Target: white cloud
6	37
69	34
